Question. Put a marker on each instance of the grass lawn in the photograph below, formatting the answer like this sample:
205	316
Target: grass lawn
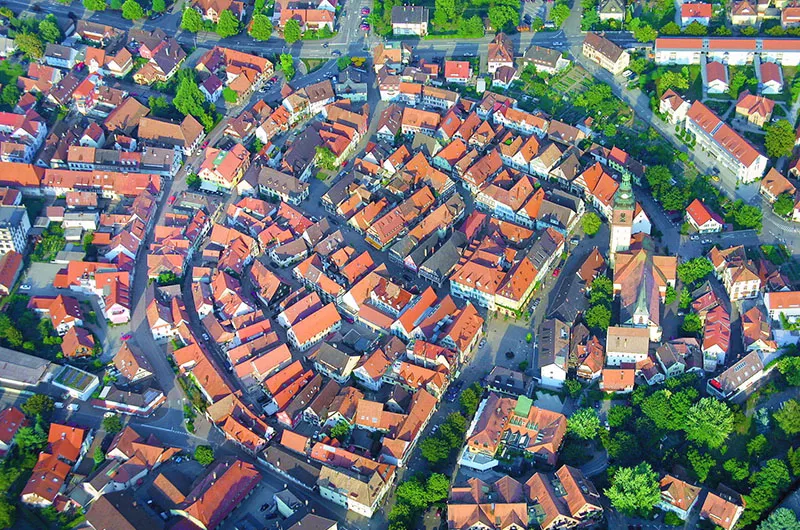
313	64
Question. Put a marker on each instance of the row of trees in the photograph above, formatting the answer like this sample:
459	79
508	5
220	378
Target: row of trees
32	35
131	9
227	25
598	316
414	497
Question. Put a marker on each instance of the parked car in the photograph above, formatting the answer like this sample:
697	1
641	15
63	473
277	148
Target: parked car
556	272
171	200
336	53
126	336
365	11
25	286
73	407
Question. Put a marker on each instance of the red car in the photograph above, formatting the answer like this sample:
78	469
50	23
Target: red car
171	200
205	145
126	336
556	273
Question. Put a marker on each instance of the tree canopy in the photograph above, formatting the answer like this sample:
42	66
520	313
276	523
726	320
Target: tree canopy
38	405
694	270
788	417
591	223
634	490
131	10
584	423
94	5
783	205
598	317
49	30
191	20
287	65
779	140
29	44
204	455
291	31
112	424
709	422
228	25
780	519
261	27
159	6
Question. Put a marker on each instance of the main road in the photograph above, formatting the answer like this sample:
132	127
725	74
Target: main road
349	39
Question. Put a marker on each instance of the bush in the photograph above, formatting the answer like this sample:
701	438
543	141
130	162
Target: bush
204	455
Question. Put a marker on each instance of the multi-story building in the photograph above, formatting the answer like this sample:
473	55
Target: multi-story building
14	228
602	51
410	20
724	144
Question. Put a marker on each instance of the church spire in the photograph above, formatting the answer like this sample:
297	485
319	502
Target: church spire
623	198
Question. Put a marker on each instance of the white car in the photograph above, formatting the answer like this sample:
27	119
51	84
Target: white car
73	407
25	287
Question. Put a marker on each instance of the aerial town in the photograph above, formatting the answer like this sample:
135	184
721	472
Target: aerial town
390	265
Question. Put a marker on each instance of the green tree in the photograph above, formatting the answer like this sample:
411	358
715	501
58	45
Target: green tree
31	439
7	513
601	291
537	24
340	431
746	216
723	31
469	401
437	487
159	6
287	65
672	80
735	84
782	206
642	31
291	31
789	367
413	493
793	457
738	469
472	28
559	14
584	423
788	417
228	24
112	424
261	27
657	176
573	387
204	455
696	29
757	446
591	223
444	13
38	405
780	519
188	98
618	415
694	270
159	106
258	7
131	10
191	20
779	140
702	463
192	180
502	15
434	449
691	324
229	95
10	95
598	317
709	422
99	456
671	28
634	490
94	5
30	44
325	158
49	30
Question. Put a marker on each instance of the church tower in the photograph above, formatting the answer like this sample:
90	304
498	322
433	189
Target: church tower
622	219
